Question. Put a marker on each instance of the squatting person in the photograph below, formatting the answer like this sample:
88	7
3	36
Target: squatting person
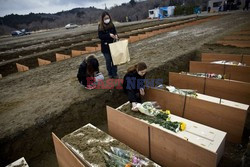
133	83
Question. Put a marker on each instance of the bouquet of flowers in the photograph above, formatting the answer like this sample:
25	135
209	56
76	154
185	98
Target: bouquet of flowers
160	117
149	108
164	120
207	75
235	63
184	92
123	158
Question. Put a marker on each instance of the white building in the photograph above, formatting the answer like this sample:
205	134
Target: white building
161	12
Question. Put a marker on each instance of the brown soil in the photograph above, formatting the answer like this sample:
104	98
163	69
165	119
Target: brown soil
49	98
89	141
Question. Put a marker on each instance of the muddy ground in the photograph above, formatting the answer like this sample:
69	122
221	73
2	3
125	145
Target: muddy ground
49	98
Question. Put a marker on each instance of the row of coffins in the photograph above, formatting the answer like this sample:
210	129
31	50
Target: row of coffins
186	124
209	120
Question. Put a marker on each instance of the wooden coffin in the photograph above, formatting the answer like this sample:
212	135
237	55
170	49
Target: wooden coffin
218	113
239	73
198	145
83	148
225	89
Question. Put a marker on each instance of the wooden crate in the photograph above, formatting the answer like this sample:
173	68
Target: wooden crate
65	157
242	58
127	127
69	154
60	57
230	119
184	81
198	145
21	68
225	89
211	111
209	57
42	62
228	89
167	100
206	67
239	73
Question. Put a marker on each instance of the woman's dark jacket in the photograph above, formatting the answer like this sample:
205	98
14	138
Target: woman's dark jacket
82	72
132	82
105	38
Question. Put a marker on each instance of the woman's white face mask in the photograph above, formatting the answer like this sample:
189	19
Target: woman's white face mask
106	21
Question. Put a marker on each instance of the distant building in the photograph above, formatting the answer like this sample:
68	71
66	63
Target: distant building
224	5
216	5
161	12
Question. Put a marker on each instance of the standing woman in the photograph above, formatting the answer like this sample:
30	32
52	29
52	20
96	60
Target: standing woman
107	34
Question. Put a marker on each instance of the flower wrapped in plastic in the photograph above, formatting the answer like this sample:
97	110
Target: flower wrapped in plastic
184	92
123	158
149	108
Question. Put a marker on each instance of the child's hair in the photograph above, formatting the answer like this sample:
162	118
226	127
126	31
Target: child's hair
139	67
92	64
103	26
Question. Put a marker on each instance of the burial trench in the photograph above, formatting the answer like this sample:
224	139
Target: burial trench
28	57
32	139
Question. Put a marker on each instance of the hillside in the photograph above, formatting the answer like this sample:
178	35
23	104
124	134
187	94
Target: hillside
135	10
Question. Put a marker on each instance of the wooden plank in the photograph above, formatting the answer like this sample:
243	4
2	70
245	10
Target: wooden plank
205	109
142	36
169	150
228	89
128	130
209	57
90	49
75	53
64	156
183	81
205	67
167	101
222	117
98	48
133	39
241	44
242	32
238	73
60	57
246	60
149	34
21	68
237	37
42	62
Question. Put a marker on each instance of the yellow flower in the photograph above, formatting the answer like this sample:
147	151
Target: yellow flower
128	165
183	126
168	112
